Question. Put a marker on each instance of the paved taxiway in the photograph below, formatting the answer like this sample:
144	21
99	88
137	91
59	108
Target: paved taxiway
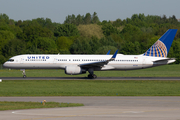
99	108
85	78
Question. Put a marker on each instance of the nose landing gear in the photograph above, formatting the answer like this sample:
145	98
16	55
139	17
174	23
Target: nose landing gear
24	73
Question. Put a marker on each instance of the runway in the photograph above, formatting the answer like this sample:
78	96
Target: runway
86	78
99	108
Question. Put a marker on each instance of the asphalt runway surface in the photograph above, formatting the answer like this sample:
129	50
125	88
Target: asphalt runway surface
99	108
86	78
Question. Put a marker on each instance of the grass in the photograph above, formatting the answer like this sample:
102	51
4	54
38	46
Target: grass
161	71
89	88
32	105
93	87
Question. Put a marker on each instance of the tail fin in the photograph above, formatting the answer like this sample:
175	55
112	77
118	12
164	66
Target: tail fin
162	46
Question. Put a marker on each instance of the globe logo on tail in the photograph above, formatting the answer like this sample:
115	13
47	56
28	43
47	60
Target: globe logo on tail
157	50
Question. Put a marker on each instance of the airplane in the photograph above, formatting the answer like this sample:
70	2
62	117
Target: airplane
156	55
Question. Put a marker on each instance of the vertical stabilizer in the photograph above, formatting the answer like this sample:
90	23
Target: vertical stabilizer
162	46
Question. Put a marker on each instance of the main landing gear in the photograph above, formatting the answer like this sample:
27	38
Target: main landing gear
24	73
91	74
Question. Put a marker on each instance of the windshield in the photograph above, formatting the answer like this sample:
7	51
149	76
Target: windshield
11	60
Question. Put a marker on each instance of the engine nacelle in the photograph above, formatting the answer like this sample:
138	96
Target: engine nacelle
74	70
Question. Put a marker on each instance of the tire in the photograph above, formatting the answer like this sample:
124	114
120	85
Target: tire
94	76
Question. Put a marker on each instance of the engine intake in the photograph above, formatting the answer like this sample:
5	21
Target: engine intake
74	70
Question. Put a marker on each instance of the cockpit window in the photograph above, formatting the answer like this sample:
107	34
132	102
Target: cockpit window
11	60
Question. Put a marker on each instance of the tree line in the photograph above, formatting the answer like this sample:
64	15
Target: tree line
85	35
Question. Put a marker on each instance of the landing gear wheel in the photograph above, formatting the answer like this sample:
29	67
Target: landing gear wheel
92	76
24	73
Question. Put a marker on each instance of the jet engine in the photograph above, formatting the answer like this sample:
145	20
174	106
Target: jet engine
74	70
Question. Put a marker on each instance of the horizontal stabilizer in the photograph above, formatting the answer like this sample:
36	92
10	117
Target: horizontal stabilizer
164	61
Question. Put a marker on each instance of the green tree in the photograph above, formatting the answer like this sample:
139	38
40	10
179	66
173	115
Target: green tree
117	23
118	38
63	44
79	19
66	30
131	33
13	47
108	41
108	29
45	23
87	18
175	50
95	44
4	26
46	45
131	48
81	46
2	59
95	18
30	33
5	36
105	49
4	18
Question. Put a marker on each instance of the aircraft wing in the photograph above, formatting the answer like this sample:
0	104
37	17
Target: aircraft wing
99	63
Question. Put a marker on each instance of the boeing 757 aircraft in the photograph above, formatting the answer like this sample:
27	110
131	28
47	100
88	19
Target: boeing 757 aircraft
78	64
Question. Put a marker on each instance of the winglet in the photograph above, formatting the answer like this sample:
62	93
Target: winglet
114	56
108	52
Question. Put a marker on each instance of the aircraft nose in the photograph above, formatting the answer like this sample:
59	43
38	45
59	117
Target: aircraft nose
5	65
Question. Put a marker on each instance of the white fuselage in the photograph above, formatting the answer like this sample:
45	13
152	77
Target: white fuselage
47	61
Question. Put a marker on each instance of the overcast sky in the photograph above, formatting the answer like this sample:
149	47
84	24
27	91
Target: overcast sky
57	10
